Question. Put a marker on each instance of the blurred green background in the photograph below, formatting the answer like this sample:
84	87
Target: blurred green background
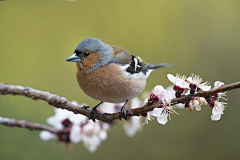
201	37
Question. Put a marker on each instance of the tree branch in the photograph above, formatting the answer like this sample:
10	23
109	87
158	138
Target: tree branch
24	124
62	102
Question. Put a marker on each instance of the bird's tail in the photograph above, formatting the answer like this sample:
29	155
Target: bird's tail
160	65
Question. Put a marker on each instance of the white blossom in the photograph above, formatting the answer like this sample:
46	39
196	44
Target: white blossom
220	94
197	102
75	134
178	105
217	110
178	80
91	136
60	116
161	115
218	84
159	91
168	96
196	80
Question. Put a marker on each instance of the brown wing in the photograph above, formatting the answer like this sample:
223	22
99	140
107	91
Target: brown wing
121	56
135	63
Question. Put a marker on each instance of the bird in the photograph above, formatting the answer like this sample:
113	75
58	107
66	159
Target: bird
109	73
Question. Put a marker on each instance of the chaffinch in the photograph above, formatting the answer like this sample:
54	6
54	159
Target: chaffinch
109	73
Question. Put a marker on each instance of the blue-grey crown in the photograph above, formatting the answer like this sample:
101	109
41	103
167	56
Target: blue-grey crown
94	44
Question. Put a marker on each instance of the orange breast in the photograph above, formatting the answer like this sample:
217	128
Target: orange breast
109	84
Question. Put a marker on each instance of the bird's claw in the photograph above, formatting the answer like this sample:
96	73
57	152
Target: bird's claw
93	114
123	114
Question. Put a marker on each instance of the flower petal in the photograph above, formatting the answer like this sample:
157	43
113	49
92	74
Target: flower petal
205	87
171	78
46	136
157	111
218	84
75	134
162	119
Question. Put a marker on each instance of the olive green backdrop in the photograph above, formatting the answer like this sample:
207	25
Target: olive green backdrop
202	37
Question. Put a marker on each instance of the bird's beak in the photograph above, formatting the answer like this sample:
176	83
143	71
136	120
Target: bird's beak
74	58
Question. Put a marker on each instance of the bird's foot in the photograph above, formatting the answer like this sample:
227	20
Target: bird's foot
123	113
94	113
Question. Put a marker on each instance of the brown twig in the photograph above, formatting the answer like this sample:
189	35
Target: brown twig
62	102
24	124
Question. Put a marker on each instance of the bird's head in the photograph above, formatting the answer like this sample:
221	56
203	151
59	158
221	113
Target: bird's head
91	54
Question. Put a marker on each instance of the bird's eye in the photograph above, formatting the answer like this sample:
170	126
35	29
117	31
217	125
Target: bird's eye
86	54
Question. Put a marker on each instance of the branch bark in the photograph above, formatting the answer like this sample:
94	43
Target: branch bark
24	124
62	102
